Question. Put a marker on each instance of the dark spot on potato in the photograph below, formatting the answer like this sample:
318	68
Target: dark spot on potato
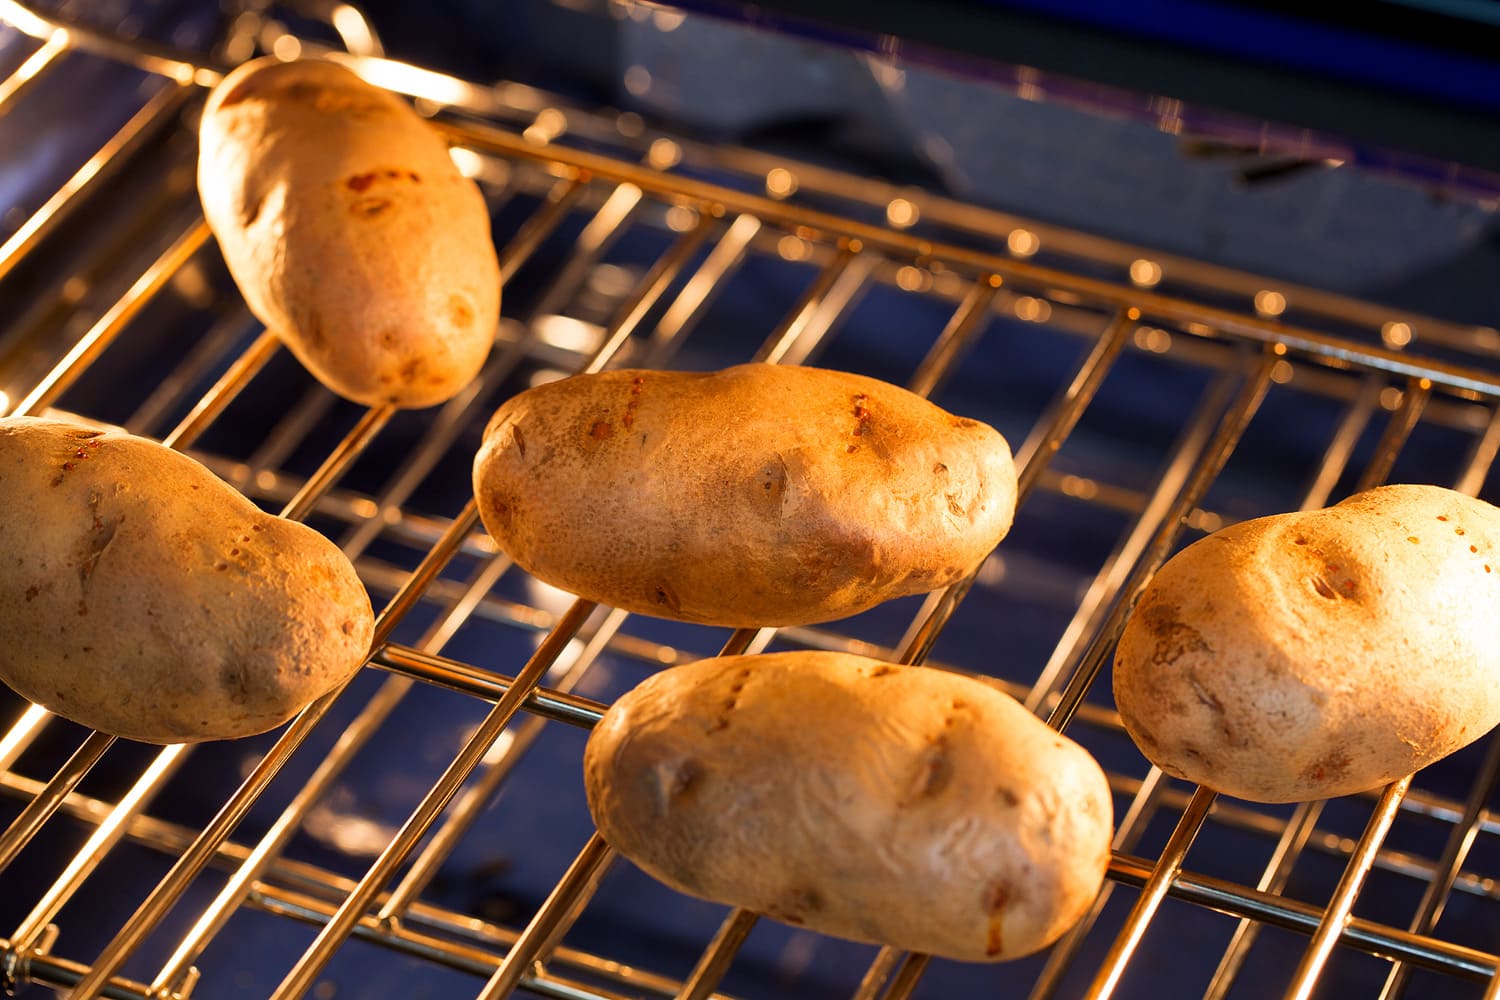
1008	796
368	208
460	310
852	449
346	627
1299	540
1329	768
601	430
518	439
234	552
795	906
934	770
1458	531
954	507
995	898
666	596
882	670
83	609
257	527
1442	517
250	210
675	781
32	591
1412	539
939	469
221	566
1473	548
1323	587
1173	639
359	182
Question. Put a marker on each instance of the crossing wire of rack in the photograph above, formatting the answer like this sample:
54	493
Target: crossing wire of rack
422	832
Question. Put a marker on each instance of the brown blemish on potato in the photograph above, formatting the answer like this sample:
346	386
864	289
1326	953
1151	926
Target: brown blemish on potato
721	721
601	430
954	507
1299	540
628	420
518	439
1324	588
995	899
1330	768
460	310
882	670
368	208
32	592
1174	639
939	469
1412	538
667	597
1008	796
796	905
1442	517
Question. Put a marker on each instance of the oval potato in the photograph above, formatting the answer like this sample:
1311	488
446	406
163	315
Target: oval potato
903	806
349	231
757	495
1322	653
142	596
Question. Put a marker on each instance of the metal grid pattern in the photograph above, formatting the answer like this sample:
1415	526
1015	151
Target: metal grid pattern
1160	394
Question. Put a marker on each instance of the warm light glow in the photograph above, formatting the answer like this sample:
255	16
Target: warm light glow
286	47
549	124
901	213
1153	339
667	20
792	248
1281	372
353	29
913	279
1033	310
638	80
680	218
1023	242
468	162
568	333
1269	303
780	182
1391	397
664	154
414	81
1077	486
1145	273
1396	334
4	402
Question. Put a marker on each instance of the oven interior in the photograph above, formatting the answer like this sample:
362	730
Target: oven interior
1171	341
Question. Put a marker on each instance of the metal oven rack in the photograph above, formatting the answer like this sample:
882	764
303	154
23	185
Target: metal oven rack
1148	399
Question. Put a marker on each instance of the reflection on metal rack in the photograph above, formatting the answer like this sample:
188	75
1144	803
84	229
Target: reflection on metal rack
708	230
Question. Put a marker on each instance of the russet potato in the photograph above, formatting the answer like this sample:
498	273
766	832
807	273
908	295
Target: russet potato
142	596
349	231
1320	653
904	806
757	495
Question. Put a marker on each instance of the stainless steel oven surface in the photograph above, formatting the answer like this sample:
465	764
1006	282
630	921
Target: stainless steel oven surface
1173	331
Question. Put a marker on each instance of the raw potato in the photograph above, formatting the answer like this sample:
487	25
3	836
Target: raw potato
1316	654
758	495
904	806
142	596
349	231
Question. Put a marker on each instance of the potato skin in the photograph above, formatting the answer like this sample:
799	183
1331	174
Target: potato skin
142	596
757	495
896	805
1316	654
349	231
